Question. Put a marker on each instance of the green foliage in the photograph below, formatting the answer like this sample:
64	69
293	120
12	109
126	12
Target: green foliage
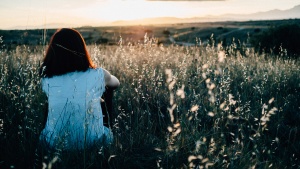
177	107
281	41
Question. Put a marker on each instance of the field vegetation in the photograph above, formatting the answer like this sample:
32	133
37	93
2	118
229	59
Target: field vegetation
205	106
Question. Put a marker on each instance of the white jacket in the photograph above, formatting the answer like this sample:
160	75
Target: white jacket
75	119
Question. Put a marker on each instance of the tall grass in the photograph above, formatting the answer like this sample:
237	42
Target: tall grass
177	107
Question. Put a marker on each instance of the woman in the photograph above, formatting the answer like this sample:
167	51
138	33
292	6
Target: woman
74	87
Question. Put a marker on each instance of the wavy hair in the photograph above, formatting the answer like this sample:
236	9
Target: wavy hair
66	53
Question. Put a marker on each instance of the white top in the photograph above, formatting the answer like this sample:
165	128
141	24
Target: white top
75	117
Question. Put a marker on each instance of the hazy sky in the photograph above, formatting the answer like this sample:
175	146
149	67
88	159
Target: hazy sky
40	13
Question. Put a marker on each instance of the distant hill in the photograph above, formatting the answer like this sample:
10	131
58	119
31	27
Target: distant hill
158	20
181	34
275	14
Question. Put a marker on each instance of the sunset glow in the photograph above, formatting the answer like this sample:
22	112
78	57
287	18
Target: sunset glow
39	13
129	10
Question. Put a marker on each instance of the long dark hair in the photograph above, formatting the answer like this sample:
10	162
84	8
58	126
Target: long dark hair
66	53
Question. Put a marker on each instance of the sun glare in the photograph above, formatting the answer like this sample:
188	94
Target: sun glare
130	10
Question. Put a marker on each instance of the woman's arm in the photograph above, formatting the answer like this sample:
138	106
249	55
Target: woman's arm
110	80
111	83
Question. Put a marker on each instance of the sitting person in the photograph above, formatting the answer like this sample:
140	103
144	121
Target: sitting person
74	86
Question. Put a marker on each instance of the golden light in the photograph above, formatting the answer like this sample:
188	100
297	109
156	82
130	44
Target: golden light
131	10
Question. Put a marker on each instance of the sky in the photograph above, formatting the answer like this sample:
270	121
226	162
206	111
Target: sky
43	13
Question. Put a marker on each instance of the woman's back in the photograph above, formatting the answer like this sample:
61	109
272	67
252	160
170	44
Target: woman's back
75	117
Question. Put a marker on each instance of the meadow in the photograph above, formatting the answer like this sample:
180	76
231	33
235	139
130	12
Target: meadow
205	106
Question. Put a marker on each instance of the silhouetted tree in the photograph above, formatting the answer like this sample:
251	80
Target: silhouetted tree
166	32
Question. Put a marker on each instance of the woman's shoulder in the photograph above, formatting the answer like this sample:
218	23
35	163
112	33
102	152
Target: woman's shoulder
98	70
95	73
92	72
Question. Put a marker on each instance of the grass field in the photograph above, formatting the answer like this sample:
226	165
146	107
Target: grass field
177	107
